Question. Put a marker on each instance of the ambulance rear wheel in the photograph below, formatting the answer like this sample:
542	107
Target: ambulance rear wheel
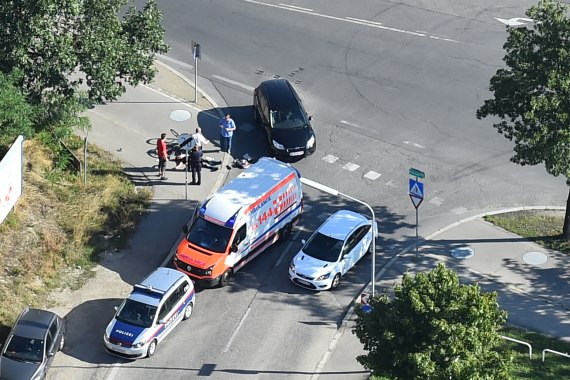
285	232
226	278
151	349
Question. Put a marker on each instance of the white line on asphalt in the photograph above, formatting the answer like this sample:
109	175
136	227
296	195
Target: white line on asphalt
179	101
249	88
237	329
365	21
351	20
287	248
114	370
179	63
295	7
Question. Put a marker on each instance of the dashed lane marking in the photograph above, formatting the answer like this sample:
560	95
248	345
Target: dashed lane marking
350	166
372	175
330	158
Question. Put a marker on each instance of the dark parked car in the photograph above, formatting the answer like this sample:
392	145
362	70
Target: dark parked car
31	345
277	106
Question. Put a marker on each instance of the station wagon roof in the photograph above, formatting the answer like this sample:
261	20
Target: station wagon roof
341	224
248	187
279	94
33	324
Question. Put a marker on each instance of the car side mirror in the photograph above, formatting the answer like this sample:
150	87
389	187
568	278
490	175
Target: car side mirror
185	229
162	322
116	308
234	248
310	118
50	354
302	241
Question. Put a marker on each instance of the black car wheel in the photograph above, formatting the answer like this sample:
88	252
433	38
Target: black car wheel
335	281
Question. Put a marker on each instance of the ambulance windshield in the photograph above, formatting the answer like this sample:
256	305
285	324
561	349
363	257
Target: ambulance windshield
210	236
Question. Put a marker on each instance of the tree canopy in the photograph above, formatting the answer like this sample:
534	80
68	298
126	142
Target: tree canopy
433	328
78	53
531	96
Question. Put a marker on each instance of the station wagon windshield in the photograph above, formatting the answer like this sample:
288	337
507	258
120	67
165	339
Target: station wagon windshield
323	247
210	236
136	313
25	349
288	119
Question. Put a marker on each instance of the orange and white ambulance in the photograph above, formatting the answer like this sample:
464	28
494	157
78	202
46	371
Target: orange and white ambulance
240	221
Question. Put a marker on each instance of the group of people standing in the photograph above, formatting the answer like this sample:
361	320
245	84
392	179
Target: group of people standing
194	158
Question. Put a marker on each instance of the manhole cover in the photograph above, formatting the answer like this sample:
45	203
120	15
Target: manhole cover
180	115
535	258
462	253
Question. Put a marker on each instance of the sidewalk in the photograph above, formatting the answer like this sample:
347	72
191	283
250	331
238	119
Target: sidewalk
533	292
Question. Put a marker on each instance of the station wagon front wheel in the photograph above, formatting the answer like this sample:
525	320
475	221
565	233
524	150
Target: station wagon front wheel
151	349
188	311
335	281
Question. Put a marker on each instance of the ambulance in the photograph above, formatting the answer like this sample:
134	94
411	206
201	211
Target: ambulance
240	221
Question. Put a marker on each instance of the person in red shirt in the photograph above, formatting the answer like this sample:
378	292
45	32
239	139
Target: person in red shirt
162	155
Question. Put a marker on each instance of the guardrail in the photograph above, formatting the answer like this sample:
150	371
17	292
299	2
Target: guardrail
554	352
524	343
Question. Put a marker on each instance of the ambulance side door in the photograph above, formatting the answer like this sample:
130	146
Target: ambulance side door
240	244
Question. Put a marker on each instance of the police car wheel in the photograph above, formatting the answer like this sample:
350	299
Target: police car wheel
188	311
225	278
335	281
151	349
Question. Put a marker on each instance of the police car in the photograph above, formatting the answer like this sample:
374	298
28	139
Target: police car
150	313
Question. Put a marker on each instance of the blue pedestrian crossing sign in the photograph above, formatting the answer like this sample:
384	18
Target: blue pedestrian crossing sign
416	192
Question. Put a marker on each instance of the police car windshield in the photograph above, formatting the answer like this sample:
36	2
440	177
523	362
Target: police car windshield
323	247
136	313
210	236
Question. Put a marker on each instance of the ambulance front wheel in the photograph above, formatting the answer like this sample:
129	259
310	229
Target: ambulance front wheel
225	278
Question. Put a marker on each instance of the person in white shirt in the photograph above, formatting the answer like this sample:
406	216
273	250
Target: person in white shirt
199	139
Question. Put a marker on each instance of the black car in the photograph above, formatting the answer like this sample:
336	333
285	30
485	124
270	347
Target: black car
277	106
31	345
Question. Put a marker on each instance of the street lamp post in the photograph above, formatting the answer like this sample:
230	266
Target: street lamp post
337	193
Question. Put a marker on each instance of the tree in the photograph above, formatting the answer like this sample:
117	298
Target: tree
78	53
532	95
434	328
16	115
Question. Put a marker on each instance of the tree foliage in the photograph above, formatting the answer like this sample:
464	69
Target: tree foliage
434	328
532	95
16	115
78	53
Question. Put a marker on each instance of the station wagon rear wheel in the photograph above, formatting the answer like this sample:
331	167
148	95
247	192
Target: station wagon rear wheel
188	311
62	342
335	281
151	349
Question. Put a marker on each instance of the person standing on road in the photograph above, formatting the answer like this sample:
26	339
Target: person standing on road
162	153
196	164
199	138
227	127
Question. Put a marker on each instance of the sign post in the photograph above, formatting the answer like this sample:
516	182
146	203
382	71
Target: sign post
197	54
416	193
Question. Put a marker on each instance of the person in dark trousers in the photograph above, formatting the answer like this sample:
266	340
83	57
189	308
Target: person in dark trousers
162	155
196	164
227	128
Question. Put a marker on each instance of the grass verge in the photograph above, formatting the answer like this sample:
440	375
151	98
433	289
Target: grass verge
555	367
541	227
59	227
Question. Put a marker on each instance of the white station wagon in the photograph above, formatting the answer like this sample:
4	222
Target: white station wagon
332	250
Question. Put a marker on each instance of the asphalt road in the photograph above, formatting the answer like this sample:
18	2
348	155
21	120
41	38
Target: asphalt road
391	86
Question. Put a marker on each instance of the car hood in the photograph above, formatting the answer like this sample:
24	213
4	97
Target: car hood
125	333
292	138
197	257
311	267
16	370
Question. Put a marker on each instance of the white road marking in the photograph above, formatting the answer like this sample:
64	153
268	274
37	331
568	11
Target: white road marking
391	183
372	175
235	83
278	262
114	370
295	7
459	210
413	144
330	158
237	329
351	20
179	63
515	21
350	166
436	201
364	21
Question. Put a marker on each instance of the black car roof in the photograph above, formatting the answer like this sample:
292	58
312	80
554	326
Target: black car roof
279	94
33	323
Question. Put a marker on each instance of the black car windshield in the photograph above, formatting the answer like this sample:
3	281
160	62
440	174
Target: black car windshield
210	236
323	247
136	313
25	349
288	119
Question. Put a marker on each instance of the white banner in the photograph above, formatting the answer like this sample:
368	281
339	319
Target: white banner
11	174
